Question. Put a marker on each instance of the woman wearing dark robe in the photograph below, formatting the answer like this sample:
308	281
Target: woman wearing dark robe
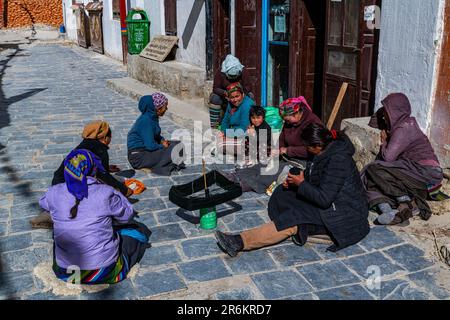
327	199
406	168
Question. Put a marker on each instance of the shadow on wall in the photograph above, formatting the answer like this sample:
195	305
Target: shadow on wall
25	8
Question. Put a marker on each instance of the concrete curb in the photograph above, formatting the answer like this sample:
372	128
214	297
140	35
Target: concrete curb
183	112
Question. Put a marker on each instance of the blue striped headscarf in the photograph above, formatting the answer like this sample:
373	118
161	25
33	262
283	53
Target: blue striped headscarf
78	165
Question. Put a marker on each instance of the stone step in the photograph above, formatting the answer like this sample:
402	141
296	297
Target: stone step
183	112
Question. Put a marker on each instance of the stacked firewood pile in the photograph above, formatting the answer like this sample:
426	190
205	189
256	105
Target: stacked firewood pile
24	13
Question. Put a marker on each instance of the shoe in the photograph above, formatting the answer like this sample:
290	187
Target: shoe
231	244
403	215
42	221
179	167
414	208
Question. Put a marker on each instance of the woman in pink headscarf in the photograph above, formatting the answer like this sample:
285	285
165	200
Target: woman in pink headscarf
297	115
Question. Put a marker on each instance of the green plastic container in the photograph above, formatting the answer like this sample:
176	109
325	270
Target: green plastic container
208	218
138	31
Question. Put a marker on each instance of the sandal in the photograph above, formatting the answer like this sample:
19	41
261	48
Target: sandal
42	221
403	215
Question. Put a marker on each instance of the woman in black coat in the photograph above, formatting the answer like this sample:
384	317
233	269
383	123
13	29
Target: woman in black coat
328	198
96	138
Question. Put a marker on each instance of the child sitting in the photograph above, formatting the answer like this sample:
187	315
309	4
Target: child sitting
94	231
259	136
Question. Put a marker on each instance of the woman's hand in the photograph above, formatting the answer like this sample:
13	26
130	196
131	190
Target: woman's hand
283	150
114	168
220	135
296	180
165	143
383	136
130	192
275	153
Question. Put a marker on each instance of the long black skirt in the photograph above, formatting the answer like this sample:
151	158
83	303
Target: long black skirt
287	210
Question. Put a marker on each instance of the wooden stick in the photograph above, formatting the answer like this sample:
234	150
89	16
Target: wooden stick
337	105
204	178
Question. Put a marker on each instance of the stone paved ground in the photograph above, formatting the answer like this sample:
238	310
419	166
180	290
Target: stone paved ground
50	92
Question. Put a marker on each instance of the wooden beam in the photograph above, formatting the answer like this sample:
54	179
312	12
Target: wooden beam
337	105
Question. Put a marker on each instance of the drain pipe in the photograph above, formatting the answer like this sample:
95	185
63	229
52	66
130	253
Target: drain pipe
123	28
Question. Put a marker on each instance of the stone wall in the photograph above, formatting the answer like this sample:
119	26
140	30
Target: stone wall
365	139
440	128
24	13
181	80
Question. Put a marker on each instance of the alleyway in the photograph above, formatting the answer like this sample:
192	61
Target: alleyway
47	94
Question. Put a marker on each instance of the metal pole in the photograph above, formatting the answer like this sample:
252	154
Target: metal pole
123	27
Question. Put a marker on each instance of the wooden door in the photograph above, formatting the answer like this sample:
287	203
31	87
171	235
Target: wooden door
248	41
306	51
222	32
170	15
351	51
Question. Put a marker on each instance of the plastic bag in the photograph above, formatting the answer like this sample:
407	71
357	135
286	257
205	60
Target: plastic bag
273	118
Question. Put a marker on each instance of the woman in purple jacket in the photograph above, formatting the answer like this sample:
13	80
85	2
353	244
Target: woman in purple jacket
94	231
406	169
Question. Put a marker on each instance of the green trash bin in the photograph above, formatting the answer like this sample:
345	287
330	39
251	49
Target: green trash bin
138	31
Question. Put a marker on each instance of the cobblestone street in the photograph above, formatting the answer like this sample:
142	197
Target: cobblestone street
48	93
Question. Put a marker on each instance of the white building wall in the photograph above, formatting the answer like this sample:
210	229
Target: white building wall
155	13
410	38
70	19
112	36
195	53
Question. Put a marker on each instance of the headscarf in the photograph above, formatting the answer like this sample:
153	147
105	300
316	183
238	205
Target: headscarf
293	105
96	130
159	100
78	165
232	67
235	86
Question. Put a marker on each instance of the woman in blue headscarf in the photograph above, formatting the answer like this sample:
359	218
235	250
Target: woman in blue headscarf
93	223
147	148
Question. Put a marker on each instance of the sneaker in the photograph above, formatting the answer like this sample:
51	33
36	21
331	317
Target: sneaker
230	244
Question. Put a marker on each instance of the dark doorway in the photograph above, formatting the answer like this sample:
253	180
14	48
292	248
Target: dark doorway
306	51
248	41
170	14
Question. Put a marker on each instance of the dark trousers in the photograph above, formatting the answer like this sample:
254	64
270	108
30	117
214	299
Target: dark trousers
159	161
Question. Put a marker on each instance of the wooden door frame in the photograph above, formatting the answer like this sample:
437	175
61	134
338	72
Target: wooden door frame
358	83
219	34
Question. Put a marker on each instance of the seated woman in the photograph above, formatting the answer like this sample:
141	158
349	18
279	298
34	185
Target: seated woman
236	120
232	71
147	149
328	198
96	138
406	167
297	115
93	225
